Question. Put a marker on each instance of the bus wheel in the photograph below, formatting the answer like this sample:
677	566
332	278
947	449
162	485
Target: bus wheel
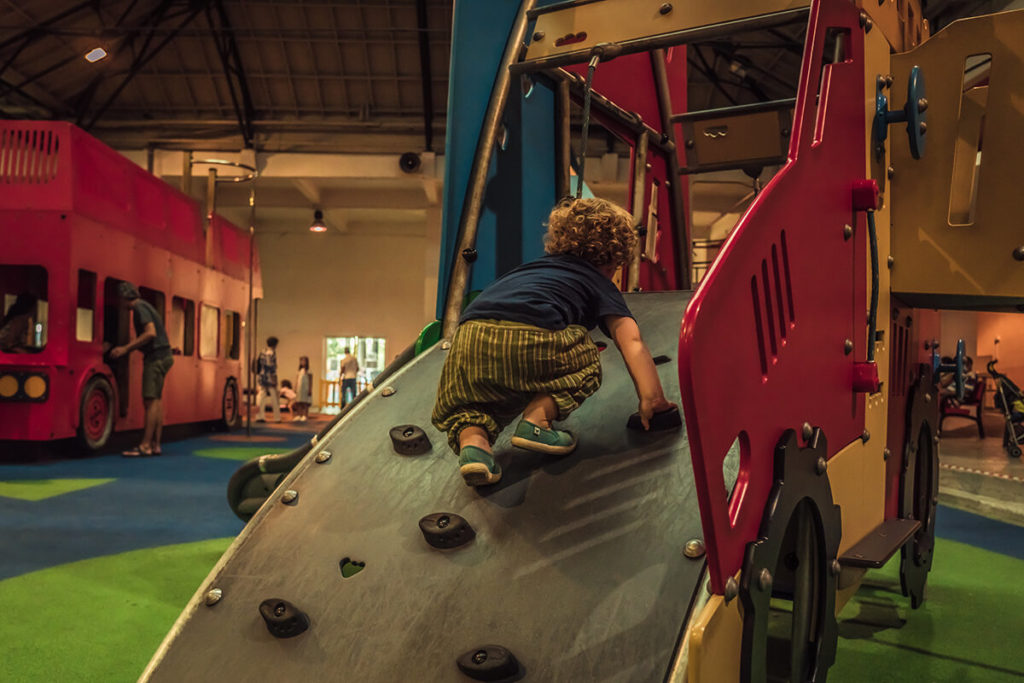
96	414
229	405
790	573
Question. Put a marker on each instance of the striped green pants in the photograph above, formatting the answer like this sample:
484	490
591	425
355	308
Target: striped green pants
494	369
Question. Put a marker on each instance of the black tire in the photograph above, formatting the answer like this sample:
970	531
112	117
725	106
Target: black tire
229	413
96	409
1015	451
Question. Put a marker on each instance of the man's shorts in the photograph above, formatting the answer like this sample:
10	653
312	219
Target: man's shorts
153	374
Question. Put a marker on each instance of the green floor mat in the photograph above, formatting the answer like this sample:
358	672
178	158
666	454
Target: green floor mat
41	489
964	632
235	452
100	619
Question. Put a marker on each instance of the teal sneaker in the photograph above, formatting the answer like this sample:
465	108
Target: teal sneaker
550	441
477	467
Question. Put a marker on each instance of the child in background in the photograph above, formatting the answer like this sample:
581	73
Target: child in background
523	345
304	391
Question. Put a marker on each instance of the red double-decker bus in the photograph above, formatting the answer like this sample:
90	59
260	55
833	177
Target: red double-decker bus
76	219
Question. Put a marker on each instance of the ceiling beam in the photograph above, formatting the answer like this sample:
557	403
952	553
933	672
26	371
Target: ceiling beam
425	75
234	71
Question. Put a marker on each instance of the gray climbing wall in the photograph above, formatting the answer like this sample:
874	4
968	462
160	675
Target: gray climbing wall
577	566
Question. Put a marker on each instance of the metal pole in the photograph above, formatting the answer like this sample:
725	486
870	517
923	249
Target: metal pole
639	188
473	202
675	196
249	316
563	148
211	206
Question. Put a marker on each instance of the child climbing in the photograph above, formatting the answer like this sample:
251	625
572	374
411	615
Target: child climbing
523	345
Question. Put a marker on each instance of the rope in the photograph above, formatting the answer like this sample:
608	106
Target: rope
591	68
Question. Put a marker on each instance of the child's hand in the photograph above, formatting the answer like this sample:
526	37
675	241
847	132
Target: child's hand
650	406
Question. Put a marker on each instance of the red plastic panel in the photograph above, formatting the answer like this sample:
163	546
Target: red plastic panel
762	342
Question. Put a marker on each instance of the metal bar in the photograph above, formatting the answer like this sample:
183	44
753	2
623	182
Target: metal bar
246	112
665	40
603	105
37	26
753	108
211	207
473	202
639	189
428	94
534	13
142	60
563	136
250	314
675	197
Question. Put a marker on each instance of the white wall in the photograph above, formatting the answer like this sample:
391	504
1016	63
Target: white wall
371	281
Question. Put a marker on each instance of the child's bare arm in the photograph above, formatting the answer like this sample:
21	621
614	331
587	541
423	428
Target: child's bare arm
626	334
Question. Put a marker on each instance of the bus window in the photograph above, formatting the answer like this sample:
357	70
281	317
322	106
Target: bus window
85	313
155	299
23	326
182	330
232	334
209	331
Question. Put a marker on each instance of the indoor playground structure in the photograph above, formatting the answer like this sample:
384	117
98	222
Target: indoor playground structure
803	361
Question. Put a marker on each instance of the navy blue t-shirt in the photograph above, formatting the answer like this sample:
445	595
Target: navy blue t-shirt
553	292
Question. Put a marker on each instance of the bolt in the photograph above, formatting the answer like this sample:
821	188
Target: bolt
689	144
865	22
694	548
279	609
927	398
848	347
865	436
923	127
888	80
880	81
807	431
539	35
821	466
935	438
480	656
764	580
322	457
289	497
1018	254
847	232
731	589
665	8
835	567
443	521
890	172
213	596
922	105
387	391
886	454
889	261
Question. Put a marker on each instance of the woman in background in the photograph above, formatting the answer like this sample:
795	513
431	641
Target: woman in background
303	391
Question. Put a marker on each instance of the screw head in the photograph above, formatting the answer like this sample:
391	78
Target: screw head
889	261
890	172
807	431
480	656
848	347
732	589
835	567
923	127
289	497
387	391
322	457
888	80
927	398
690	144
935	438
922	105
665	8
694	548
821	466
213	596
764	580
865	436
847	232
1018	254
886	454
539	35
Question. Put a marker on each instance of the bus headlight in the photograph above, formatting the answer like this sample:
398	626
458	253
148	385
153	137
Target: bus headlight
24	386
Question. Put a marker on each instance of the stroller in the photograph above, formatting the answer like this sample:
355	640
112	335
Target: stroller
1009	399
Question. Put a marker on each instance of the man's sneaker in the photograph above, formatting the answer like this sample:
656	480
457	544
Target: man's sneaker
550	441
477	467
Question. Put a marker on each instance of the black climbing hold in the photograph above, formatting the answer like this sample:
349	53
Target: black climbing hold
284	620
446	530
488	663
469	254
659	360
666	419
409	440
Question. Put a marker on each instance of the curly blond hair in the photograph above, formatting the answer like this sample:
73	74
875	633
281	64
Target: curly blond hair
595	230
